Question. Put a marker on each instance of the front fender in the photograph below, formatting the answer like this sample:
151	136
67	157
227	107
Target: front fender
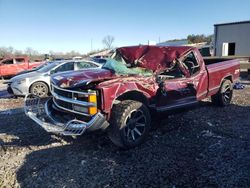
111	92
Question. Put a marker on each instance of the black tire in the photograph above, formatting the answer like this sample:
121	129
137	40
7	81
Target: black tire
224	96
39	89
129	124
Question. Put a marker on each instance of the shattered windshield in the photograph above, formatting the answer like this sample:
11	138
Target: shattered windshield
119	66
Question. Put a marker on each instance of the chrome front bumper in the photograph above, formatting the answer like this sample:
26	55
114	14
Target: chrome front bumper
39	110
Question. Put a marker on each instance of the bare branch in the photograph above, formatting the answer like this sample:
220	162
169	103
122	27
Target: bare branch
108	41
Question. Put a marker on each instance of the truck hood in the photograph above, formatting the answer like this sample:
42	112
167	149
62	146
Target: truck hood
79	78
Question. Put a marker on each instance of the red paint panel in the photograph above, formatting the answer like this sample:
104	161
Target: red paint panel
112	89
218	71
73	78
13	69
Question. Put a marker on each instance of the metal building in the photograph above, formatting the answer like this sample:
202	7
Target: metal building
232	39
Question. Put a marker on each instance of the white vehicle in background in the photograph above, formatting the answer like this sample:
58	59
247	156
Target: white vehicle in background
37	82
77	58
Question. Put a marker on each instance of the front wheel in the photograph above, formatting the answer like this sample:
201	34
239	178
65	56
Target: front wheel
39	89
130	124
224	95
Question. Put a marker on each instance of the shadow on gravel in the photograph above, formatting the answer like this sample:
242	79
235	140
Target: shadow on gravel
205	147
17	130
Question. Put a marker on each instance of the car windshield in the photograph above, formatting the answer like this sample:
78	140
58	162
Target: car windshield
47	66
121	68
42	65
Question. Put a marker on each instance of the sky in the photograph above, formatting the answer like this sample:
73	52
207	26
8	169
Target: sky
66	25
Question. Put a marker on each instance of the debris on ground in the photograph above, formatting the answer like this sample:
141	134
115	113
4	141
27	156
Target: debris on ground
202	147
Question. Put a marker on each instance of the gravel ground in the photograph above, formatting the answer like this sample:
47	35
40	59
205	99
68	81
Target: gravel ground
8	101
202	147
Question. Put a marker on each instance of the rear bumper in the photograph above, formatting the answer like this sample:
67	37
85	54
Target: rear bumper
43	114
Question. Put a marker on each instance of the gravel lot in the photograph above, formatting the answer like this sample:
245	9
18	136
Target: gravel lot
202	147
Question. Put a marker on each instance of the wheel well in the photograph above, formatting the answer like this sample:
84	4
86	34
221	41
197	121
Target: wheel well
229	78
41	82
134	95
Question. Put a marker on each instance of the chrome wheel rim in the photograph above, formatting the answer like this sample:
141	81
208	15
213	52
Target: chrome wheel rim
135	125
227	94
39	90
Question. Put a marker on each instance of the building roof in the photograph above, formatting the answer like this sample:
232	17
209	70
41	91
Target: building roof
232	23
173	43
101	53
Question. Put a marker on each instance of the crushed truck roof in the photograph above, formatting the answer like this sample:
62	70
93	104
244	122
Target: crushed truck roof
156	58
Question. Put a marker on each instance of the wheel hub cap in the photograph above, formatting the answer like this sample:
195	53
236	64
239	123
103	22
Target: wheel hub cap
135	125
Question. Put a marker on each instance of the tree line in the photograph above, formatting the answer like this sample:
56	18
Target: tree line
10	51
200	38
196	39
107	42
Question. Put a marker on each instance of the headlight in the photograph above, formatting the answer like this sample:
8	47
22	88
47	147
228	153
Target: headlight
20	81
79	108
92	110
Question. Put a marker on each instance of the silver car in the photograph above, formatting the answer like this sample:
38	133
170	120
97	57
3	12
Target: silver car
37	82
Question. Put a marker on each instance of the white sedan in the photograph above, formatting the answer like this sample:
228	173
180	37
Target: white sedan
37	82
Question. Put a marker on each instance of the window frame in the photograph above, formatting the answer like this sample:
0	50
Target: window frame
18	62
197	60
87	62
177	78
7	60
53	71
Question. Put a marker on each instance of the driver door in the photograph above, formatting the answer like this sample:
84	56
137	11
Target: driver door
175	94
178	86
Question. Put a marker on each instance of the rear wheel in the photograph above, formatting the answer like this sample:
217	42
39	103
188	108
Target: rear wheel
130	124
39	89
224	95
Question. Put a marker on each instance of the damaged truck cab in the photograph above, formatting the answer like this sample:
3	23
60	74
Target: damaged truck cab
121	96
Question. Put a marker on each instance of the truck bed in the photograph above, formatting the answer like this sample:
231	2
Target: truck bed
209	61
219	69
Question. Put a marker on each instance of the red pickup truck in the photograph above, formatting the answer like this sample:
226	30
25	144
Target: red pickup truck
13	65
132	85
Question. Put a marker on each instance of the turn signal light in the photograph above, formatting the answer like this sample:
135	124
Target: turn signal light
92	110
92	98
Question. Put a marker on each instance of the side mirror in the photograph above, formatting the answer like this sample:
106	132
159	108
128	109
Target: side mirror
52	72
160	81
160	78
47	74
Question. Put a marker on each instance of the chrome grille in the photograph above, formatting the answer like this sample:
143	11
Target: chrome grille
65	99
63	104
62	93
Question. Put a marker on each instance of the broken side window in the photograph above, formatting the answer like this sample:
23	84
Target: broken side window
191	63
173	73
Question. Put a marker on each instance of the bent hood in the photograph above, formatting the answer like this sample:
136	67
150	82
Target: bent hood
79	78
